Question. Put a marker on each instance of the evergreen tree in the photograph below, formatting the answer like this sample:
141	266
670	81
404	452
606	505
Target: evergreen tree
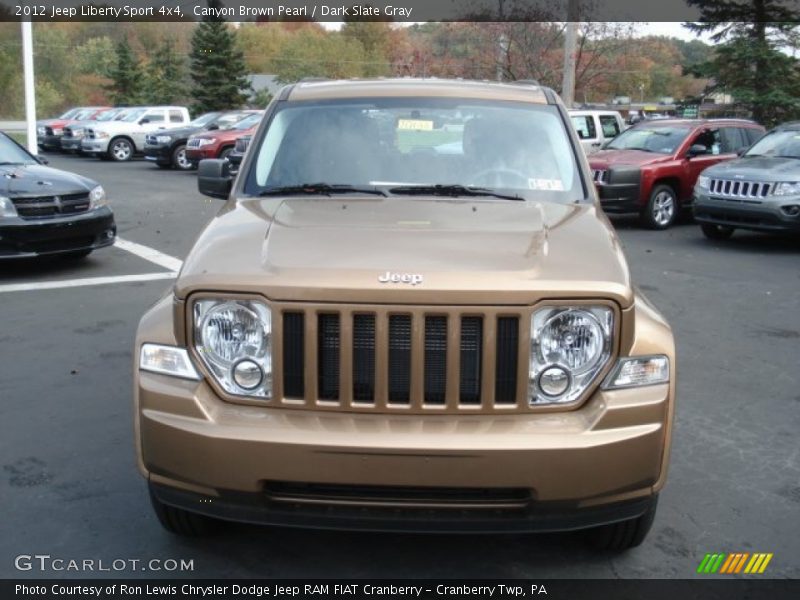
126	76
166	76
217	66
748	62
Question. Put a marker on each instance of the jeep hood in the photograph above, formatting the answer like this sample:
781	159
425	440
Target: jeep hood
467	251
604	159
757	168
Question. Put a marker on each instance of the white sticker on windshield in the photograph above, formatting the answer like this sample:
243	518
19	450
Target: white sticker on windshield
552	185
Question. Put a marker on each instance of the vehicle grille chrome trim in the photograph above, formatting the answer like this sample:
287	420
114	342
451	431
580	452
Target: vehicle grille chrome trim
408	359
600	175
43	207
194	143
748	191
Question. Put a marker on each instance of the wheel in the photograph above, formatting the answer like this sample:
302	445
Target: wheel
181	522
179	158
618	537
224	154
661	209
120	150
716	232
76	254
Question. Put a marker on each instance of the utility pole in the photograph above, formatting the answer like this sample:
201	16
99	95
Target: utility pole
30	90
570	49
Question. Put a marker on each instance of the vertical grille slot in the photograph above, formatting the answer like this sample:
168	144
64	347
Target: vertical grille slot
471	356
364	358
400	358
506	357
293	353
435	359
328	356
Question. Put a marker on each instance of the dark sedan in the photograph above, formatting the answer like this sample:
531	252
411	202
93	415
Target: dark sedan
46	211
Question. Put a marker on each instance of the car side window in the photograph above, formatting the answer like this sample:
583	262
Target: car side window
733	140
753	135
584	125
155	116
175	116
710	138
609	125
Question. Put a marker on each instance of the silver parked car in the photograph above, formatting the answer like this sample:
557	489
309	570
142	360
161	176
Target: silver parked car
759	191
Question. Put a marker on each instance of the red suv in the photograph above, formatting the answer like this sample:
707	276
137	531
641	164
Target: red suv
651	168
219	143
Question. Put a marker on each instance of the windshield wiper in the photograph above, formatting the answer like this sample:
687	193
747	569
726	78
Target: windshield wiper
453	191
786	156
319	189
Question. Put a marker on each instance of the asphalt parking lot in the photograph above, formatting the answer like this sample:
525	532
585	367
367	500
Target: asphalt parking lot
70	488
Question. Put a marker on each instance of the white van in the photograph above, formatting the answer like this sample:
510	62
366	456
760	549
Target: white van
596	127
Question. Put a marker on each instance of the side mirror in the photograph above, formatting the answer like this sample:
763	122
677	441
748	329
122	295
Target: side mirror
697	150
144	121
42	160
741	151
213	127
214	178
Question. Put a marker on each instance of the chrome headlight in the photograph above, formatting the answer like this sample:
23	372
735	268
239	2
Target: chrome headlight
570	345
163	139
787	188
41	130
7	208
703	182
101	135
234	340
97	197
205	142
57	131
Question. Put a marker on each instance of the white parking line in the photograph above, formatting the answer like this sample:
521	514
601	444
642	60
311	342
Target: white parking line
151	254
70	283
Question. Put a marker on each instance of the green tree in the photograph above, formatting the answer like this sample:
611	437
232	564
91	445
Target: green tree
166	75
126	76
96	56
748	62
219	74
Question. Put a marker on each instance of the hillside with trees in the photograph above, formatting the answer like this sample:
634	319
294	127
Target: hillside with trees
96	63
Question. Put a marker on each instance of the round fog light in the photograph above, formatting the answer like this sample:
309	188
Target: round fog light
791	210
554	381
247	374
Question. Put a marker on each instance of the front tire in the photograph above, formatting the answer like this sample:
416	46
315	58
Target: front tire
181	522
716	232
224	154
120	150
179	159
624	535
661	209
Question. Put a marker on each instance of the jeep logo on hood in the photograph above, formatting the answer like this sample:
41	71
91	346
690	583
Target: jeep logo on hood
390	277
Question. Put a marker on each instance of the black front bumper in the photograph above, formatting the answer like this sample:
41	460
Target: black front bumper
742	216
71	143
620	192
537	517
26	238
161	154
51	142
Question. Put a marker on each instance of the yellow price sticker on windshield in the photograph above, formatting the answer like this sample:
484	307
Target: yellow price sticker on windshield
417	124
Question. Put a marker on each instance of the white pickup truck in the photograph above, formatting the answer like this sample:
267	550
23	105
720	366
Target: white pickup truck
120	140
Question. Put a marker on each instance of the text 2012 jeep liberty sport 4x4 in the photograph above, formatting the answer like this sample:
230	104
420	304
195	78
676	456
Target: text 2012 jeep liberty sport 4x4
411	314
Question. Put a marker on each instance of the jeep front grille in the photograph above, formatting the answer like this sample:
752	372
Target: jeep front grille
412	359
752	191
193	143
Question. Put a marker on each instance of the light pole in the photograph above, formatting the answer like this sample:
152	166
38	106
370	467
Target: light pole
30	90
570	48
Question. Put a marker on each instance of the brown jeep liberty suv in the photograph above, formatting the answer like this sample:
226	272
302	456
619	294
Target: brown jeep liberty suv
411	314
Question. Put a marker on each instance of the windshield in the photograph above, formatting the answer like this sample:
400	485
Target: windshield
133	115
248	122
12	154
662	140
107	115
70	113
777	143
84	115
394	144
228	120
203	120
